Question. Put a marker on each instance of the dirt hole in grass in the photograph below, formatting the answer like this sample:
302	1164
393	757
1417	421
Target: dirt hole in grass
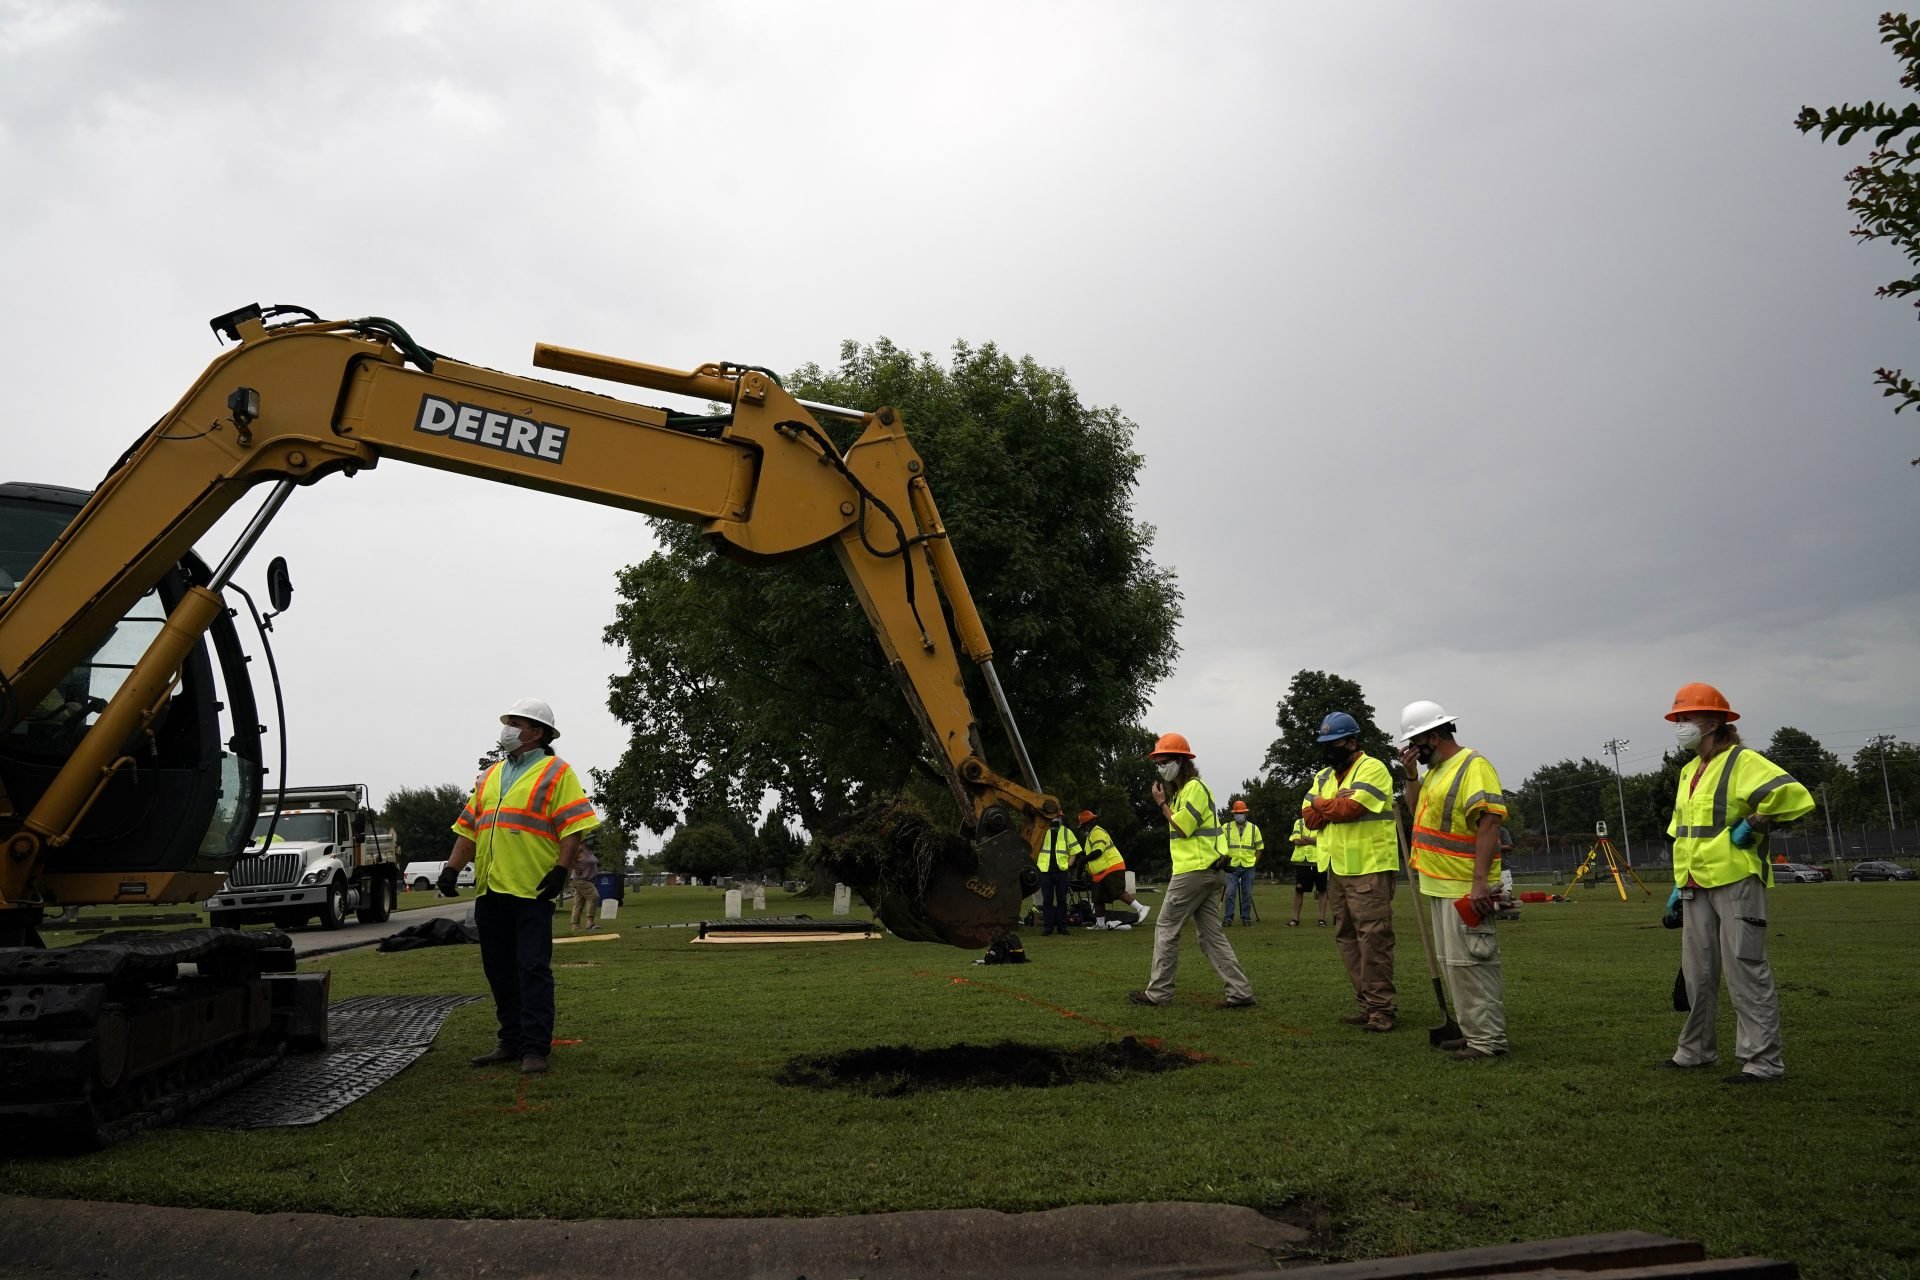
892	1071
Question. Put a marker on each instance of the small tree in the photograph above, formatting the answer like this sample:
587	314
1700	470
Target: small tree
422	818
1295	755
706	850
1886	194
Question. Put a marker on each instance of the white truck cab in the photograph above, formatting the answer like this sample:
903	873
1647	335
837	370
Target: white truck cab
321	857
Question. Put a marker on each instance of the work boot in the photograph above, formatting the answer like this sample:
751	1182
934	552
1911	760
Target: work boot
1747	1077
1141	997
1379	1022
533	1064
494	1057
1668	1064
1354	1019
1454	1045
1238	1002
1475	1055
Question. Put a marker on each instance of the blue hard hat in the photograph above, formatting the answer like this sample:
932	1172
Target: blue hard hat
1337	726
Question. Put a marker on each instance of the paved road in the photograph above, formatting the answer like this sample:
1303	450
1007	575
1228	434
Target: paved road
315	941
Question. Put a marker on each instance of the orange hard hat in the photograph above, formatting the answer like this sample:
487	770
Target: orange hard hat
1086	816
1701	697
1172	744
1239	806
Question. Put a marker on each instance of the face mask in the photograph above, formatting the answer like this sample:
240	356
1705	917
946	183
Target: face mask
1687	734
1424	753
1169	770
1335	753
509	738
1240	819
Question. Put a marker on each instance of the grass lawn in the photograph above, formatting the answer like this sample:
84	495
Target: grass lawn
663	1100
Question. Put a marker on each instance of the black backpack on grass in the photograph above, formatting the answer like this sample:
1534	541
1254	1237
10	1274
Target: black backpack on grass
1006	949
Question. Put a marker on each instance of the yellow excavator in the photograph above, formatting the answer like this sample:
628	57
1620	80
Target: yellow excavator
130	741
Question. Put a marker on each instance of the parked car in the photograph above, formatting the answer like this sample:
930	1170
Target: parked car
1797	873
1882	871
421	876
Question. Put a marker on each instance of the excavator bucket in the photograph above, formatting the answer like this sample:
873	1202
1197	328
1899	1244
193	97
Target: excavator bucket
928	886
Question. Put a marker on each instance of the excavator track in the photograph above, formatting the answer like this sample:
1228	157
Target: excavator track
103	1039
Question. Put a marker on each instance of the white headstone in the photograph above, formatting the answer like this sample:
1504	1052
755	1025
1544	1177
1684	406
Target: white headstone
733	904
842	900
610	909
759	897
1130	883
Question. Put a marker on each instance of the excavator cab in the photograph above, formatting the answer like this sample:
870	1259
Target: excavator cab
185	798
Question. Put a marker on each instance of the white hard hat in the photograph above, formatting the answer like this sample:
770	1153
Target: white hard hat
1418	717
533	709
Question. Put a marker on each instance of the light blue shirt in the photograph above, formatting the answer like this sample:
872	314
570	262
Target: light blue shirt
513	768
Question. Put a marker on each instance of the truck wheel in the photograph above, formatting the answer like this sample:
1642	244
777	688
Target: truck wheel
333	912
379	902
421	884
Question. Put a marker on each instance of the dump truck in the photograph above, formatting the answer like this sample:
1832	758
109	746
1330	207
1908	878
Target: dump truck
315	855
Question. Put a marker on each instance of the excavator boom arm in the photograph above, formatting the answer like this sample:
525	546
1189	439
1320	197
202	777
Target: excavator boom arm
292	404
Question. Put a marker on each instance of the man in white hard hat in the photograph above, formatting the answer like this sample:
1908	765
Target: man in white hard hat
522	830
1458	808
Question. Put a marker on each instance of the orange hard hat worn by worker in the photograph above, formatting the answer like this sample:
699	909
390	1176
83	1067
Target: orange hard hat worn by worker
1239	806
1701	697
1086	816
1172	744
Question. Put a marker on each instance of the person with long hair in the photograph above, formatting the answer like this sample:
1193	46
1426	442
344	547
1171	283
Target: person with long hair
1729	798
1199	876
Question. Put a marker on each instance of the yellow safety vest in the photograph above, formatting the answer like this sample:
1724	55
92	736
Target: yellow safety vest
1304	852
1737	782
1367	844
1194	831
1058	850
1446	823
1103	856
1244	844
517	836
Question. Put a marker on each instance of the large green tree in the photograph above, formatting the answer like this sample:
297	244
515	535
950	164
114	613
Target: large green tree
1295	755
742	681
706	850
421	819
1886	189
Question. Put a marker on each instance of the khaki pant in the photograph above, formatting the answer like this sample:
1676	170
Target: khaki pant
586	901
1470	963
1363	930
1194	894
1724	930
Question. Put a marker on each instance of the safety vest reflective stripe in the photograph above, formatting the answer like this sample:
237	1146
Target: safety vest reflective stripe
1057	851
1369	788
516	830
1428	838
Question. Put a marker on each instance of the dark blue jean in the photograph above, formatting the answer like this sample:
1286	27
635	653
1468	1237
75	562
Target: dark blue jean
516	950
1240	884
1053	899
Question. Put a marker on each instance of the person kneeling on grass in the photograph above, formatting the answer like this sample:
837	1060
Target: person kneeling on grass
1109	871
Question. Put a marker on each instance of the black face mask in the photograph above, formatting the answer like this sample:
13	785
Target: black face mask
1424	752
1337	753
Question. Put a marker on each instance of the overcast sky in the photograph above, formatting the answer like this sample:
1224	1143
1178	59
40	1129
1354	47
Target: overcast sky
1510	355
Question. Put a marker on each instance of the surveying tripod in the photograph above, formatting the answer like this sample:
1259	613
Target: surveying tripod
1603	848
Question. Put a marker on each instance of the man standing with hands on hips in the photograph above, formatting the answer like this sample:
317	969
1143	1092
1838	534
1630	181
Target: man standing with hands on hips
522	830
1458	809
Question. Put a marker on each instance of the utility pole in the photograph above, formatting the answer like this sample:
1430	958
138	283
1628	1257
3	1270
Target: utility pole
1827	810
1883	741
1544	833
1615	746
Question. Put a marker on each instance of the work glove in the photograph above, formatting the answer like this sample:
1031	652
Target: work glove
449	882
1671	920
1743	835
551	884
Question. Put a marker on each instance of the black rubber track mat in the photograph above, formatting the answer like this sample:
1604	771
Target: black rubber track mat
370	1039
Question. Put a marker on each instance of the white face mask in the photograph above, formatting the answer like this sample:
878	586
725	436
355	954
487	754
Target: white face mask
1240	818
1687	734
1169	770
509	738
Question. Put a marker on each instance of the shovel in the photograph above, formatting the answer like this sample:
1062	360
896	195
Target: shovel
1448	1030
